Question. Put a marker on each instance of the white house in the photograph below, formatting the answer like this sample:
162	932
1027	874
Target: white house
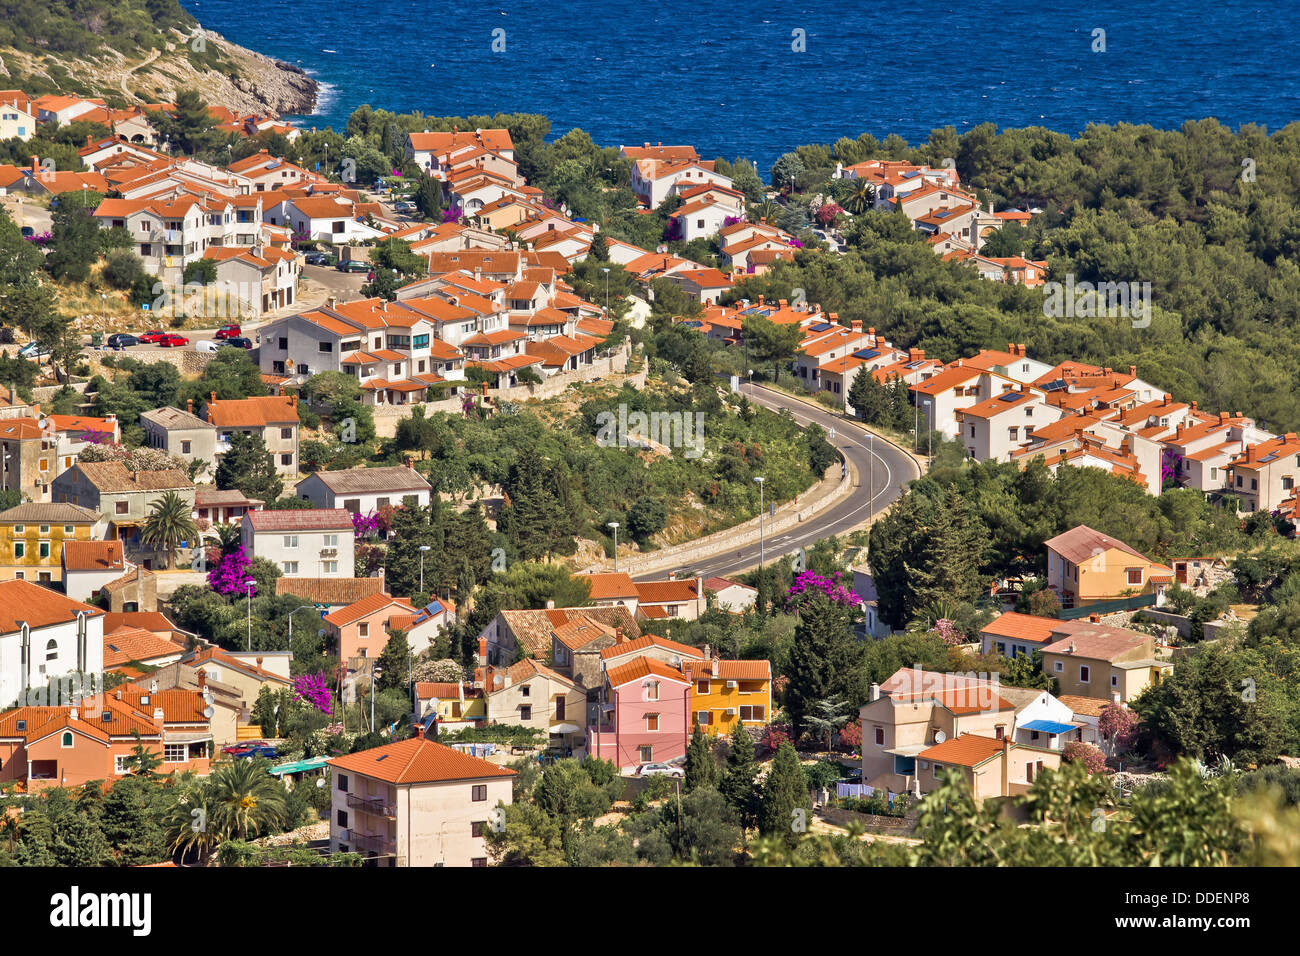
44	635
314	544
363	490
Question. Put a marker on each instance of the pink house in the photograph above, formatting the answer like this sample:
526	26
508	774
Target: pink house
645	714
361	628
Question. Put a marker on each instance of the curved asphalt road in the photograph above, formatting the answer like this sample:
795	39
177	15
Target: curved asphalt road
885	467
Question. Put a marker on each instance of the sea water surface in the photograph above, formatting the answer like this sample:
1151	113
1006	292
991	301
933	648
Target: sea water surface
754	79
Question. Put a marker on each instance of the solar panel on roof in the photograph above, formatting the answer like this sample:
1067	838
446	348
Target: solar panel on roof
1009	397
821	327
866	353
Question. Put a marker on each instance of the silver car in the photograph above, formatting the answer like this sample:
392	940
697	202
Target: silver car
659	770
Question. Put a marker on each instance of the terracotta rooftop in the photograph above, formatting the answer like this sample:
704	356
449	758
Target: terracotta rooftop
418	760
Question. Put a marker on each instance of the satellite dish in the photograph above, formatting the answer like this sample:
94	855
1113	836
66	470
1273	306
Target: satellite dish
320	783
940	736
208	712
321	632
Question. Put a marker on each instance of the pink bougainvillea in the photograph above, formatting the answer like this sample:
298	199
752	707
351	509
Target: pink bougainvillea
365	525
1076	751
312	689
808	584
1117	724
948	632
827	212
230	573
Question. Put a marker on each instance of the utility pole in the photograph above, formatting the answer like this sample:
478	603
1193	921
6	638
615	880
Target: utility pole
677	781
614	525
761	544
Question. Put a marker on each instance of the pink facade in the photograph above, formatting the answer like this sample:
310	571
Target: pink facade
646	719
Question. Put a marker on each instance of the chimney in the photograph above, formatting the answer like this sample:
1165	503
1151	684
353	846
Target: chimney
871	331
1133	370
1193	406
1092	619
189	406
482	648
1178	432
419	731
550	604
708	652
330	300
158	717
760	298
489	678
873	692
202	678
259	663
1006	766
1168	398
1223	418
618	636
1011	348
72	714
1022	349
212	397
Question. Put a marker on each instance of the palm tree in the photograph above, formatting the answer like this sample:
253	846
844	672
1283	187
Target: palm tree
765	211
228	537
245	798
188	822
862	198
170	523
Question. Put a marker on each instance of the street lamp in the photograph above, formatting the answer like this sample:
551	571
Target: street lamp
295	611
423	548
760	479
606	271
249	586
614	525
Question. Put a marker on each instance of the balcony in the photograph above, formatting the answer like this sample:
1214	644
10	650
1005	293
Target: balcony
370	842
372	805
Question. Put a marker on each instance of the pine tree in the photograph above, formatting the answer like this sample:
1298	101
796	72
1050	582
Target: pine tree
869	398
784	792
952	551
737	783
394	662
826	660
701	767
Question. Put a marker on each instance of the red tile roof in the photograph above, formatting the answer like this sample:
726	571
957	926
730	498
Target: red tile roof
640	667
300	519
418	760
967	750
37	606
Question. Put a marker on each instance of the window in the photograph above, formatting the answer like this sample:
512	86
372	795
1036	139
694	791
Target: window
651	721
1114	680
45	529
45	549
646	753
121	507
341	783
286	458
701	687
20	549
352	504
286	433
751	712
67	739
651	690
290	567
325	346
1059	667
363	629
937	768
186	446
51	650
382	502
880	736
476	828
478	793
1085	674
1033	735
478	861
342	818
704	718
1134	575
1013	433
525	712
122	763
283	343
20	529
291	541
329	567
559	708
1002	648
175	753
420	341
1000	731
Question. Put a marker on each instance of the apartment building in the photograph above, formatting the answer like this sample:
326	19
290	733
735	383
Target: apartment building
274	418
318	543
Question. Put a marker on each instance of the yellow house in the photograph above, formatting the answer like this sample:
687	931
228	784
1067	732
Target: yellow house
32	536
727	694
1108	663
1085	566
452	702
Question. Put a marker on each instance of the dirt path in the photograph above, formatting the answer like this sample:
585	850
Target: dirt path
139	66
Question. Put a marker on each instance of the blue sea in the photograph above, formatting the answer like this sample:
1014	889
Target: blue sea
756	79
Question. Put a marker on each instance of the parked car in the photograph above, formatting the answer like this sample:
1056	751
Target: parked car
659	770
122	340
206	346
229	332
153	337
250	748
403	206
318	259
32	350
354	265
173	341
238	342
28	232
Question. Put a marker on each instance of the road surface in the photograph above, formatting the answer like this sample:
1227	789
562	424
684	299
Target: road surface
885	467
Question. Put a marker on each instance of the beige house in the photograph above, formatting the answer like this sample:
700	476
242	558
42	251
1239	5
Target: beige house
1264	475
273	417
183	435
995	428
125	499
1110	663
416	803
530	694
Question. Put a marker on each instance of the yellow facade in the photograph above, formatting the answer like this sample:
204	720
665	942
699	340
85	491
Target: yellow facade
1105	576
41	547
719	704
451	708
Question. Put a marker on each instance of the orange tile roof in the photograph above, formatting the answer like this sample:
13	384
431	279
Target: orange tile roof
647	641
257	412
640	667
93	556
967	750
364	608
337	591
667	592
418	760
728	670
608	585
38	606
1026	627
136	644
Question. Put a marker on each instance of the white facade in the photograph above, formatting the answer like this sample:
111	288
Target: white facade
30	657
304	554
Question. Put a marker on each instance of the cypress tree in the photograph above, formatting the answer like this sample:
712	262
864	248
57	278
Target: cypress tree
737	783
784	792
825	661
701	767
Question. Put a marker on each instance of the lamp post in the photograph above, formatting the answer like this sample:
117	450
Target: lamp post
295	611
248	585
614	525
761	544
423	548
606	271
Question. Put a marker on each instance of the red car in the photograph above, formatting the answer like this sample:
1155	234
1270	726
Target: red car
153	337
172	341
228	332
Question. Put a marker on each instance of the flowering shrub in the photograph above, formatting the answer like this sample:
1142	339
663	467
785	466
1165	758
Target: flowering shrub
1076	751
948	632
807	584
1170	462
1116	724
851	734
230	573
312	689
827	212
135	459
731	221
795	243
41	239
774	735
365	525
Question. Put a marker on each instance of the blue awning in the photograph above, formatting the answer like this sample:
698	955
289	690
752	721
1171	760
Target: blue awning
1047	727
